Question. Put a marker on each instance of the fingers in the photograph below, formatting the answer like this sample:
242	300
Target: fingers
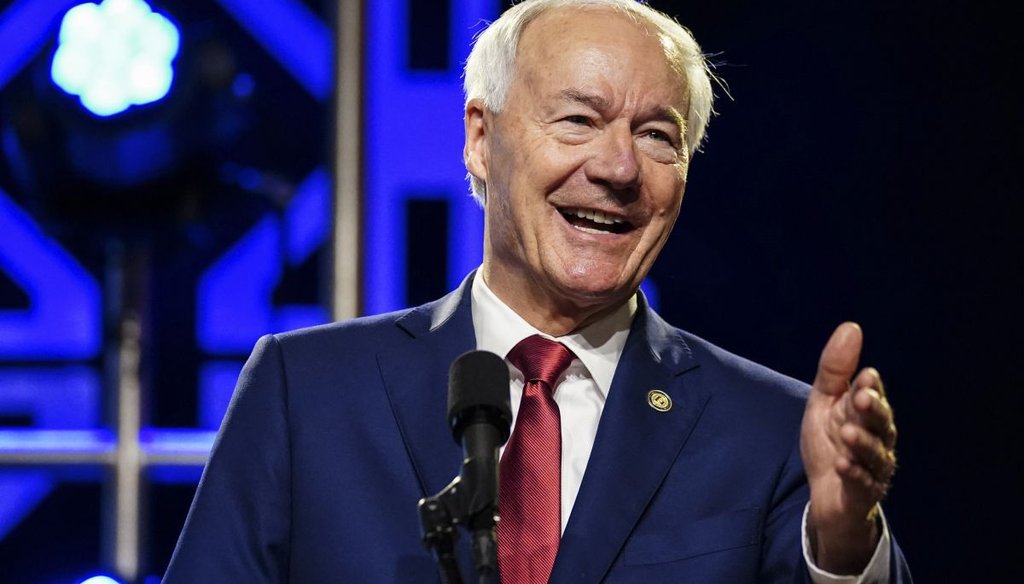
867	450
862	431
870	377
870	407
839	360
875	415
865	462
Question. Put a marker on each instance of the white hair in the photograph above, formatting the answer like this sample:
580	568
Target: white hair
490	67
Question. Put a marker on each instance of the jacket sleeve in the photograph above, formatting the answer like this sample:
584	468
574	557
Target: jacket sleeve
238	527
783	554
782	558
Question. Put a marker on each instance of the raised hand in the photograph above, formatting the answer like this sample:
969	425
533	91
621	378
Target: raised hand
847	444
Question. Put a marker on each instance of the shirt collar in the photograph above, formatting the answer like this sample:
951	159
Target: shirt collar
598	345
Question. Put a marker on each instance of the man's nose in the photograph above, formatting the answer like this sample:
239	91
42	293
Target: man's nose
615	163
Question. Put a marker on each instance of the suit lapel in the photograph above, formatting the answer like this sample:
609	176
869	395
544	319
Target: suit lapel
415	375
635	447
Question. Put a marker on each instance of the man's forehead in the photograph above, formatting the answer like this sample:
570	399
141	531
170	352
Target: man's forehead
577	24
558	31
554	45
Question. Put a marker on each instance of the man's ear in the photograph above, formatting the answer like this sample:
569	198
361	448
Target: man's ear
475	152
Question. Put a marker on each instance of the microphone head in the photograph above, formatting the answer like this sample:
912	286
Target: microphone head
478	392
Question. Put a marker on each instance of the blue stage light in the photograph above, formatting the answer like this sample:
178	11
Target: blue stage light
115	55
100	580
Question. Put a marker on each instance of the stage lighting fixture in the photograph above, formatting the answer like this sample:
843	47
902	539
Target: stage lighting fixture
114	55
100	580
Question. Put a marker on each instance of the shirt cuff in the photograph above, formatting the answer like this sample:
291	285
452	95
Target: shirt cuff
876	572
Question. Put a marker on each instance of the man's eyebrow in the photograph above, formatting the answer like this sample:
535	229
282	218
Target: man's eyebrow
671	114
588	99
598	103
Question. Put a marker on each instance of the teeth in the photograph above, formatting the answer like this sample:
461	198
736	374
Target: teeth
595	216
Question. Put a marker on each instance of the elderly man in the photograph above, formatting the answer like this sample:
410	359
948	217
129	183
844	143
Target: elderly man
639	453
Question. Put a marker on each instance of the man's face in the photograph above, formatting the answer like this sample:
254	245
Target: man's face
585	166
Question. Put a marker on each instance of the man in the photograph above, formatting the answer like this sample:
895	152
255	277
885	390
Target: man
678	461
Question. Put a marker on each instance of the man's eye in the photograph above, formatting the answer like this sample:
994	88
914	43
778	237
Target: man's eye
578	120
659	136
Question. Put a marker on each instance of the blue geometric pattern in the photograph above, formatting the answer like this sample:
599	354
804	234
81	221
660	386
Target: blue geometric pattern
64	319
234	303
413	145
293	35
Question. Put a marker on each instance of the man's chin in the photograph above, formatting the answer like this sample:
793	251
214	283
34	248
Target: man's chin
595	295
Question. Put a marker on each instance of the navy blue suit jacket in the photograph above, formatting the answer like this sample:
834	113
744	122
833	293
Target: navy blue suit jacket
334	433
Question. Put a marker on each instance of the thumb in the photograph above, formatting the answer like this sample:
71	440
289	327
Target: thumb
839	359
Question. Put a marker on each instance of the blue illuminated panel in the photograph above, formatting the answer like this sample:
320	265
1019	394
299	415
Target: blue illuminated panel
63	321
235	295
291	34
55	398
20	492
216	384
58	398
234	306
413	144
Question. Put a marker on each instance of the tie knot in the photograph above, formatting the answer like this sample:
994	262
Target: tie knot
541	359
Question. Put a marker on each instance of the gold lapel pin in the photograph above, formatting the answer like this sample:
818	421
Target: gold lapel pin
659	400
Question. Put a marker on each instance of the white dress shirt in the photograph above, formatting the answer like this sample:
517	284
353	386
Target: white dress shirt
581	394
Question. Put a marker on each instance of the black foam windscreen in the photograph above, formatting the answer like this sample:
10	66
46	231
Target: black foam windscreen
478	393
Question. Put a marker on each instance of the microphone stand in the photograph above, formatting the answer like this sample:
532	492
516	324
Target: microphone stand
439	533
467	501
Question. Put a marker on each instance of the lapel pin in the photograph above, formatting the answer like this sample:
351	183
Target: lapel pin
659	400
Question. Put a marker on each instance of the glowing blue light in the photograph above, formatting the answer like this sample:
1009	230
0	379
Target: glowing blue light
293	35
650	290
100	580
64	320
430	164
235	295
115	55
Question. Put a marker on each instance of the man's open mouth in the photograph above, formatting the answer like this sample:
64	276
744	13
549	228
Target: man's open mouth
594	221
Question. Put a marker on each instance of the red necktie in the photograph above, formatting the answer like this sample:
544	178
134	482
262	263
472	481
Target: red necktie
530	491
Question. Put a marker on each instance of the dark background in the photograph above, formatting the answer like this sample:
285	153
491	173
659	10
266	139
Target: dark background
867	169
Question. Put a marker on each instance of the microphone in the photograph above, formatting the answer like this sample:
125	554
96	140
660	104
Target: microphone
478	394
480	418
